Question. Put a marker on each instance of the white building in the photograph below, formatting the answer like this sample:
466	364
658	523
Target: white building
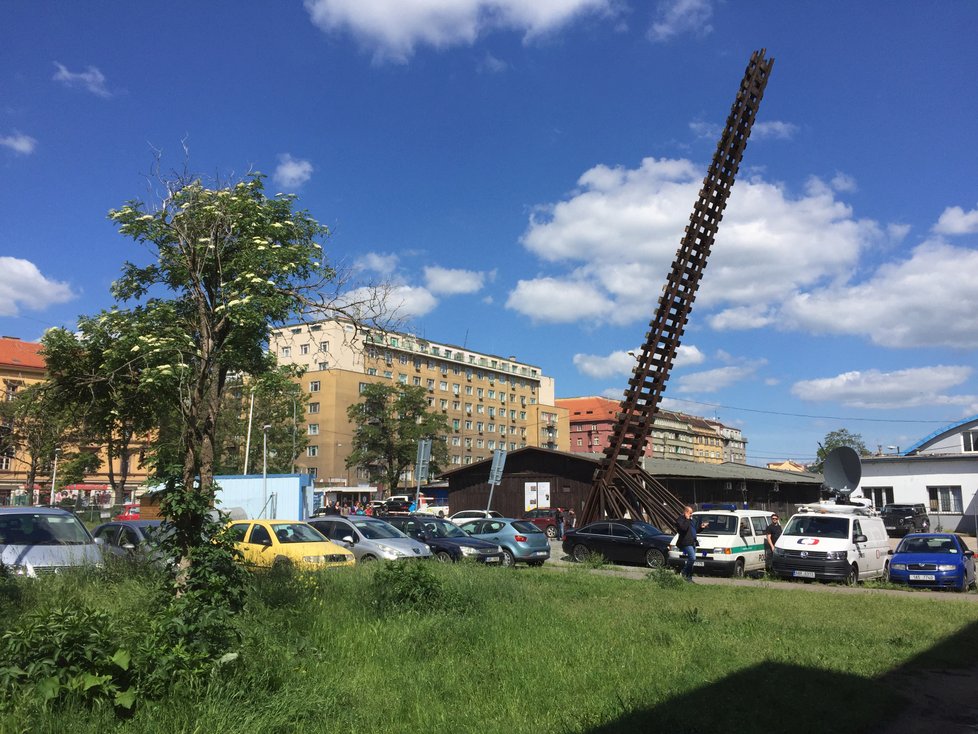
940	471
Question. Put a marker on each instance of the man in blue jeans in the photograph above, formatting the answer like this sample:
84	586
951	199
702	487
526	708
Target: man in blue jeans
686	530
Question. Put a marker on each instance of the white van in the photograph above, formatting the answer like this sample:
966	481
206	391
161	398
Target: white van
833	542
731	543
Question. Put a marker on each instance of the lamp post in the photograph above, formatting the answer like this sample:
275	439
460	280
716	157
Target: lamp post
894	448
54	474
264	467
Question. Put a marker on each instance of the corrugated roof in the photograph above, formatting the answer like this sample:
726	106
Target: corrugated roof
20	354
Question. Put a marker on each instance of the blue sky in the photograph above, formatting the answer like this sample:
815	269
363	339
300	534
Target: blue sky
522	173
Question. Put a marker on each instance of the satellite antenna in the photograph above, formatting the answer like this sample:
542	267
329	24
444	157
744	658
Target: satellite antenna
842	471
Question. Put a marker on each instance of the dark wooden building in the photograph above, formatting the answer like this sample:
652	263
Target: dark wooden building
545	478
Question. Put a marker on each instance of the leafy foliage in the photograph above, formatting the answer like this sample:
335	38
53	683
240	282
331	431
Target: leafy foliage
409	586
835	439
389	421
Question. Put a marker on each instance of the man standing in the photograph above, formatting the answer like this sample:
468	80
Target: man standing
771	534
686	530
559	519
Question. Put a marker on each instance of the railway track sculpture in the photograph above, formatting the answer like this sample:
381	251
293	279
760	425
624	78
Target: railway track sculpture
621	485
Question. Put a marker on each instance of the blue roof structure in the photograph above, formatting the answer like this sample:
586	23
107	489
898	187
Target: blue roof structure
939	432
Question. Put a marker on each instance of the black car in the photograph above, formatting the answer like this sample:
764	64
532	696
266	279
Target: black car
619	541
448	542
903	519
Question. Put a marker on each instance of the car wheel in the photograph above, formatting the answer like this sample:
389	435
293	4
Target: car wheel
508	558
443	556
851	576
580	553
367	559
654	558
551	532
738	569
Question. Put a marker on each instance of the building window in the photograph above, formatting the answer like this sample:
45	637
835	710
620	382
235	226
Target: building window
371	370
325	366
313	429
314	386
362	386
286	351
417	381
312	451
323	346
312	472
945	499
970	439
580	442
455	423
313	407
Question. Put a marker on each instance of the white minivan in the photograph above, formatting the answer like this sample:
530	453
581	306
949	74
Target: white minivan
728	541
833	542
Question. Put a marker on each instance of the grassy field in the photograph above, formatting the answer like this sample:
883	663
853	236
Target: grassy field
529	650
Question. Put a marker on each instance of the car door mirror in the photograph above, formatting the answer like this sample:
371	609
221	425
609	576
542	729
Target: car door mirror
100	541
889	552
860	539
969	554
128	546
348	539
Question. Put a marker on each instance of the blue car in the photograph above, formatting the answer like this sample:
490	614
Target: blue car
520	540
933	561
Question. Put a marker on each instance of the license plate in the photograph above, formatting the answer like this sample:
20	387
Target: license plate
699	563
891	527
804	574
922	577
492	560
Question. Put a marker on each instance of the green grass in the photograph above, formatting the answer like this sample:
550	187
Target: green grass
531	650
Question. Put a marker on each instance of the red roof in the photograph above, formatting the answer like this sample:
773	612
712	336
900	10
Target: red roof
20	354
589	408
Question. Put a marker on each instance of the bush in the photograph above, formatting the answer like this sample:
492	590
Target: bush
409	586
665	578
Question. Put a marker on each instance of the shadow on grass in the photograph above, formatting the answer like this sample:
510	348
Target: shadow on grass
775	697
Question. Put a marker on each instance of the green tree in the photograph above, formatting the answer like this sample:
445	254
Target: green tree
833	440
388	422
99	372
227	264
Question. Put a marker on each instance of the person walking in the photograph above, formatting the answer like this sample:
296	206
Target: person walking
771	534
686	530
571	520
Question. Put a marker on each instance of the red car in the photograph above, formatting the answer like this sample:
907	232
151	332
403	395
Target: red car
544	518
130	511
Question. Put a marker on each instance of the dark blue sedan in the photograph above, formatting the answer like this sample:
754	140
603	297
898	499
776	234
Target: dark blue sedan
933	561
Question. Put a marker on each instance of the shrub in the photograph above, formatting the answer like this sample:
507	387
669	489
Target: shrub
409	586
665	578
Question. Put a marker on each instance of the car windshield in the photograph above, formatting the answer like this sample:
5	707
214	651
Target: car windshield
296	532
817	525
444	529
526	527
716	524
927	545
646	530
29	528
376	529
897	508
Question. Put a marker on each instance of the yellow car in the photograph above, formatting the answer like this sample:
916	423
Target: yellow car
267	543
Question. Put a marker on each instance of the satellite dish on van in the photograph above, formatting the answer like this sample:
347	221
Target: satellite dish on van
842	471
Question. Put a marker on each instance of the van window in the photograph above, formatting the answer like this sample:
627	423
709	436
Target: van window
760	524
716	524
856	528
818	526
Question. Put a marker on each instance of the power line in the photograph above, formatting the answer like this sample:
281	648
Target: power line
808	415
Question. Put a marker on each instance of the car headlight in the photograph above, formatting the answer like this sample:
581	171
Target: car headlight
314	559
467	551
946	567
17	570
835	556
389	551
779	551
898	566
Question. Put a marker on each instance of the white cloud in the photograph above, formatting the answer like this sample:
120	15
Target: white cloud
955	220
492	65
844	182
675	17
623	363
773	129
382	263
19	143
919	301
91	79
394	28
291	172
900	389
708	130
410	301
449	281
23	286
618	232
713	380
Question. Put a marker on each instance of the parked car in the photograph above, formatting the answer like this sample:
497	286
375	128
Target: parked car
130	511
271	543
447	540
520	540
934	561
370	538
398	504
464	515
903	519
35	541
131	538
544	518
619	541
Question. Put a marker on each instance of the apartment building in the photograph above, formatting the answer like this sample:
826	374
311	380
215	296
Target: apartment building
674	435
491	402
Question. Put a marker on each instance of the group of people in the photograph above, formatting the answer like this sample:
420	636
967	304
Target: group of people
686	530
566	520
346	508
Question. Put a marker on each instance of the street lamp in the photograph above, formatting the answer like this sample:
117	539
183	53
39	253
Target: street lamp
264	466
54	474
894	448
